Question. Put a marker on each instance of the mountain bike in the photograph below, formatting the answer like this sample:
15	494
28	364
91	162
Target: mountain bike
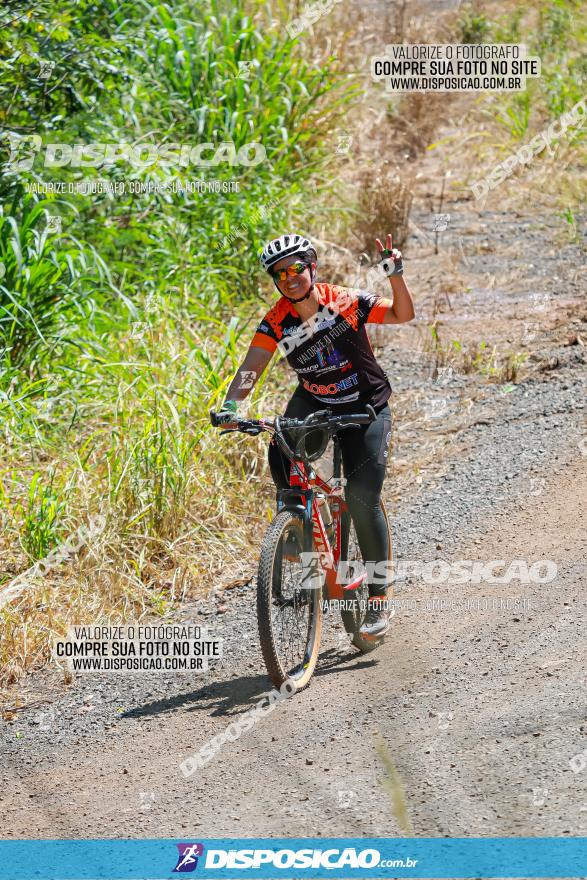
310	556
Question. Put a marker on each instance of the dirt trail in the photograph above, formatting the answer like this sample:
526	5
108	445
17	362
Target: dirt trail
480	710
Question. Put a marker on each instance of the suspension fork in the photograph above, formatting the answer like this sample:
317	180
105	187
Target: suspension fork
298	498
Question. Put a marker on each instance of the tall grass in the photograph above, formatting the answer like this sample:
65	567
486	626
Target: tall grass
554	30
137	449
121	332
44	284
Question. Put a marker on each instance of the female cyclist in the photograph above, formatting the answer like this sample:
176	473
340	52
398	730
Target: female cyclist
320	328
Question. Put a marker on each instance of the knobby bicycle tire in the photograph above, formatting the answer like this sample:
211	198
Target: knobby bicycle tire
285	520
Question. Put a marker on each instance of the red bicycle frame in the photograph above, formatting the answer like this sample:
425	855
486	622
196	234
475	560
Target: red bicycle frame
329	558
302	483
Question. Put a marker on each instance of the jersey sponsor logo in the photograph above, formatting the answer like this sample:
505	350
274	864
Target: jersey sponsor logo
327	321
319	371
289	331
346	398
333	387
328	356
311	369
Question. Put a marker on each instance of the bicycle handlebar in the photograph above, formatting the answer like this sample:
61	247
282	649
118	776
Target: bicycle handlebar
322	419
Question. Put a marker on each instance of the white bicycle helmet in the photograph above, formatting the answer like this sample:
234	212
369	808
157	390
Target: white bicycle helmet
284	246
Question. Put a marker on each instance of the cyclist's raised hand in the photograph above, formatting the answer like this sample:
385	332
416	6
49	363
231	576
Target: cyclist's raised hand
401	308
391	259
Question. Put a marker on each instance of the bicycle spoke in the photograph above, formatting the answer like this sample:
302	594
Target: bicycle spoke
292	610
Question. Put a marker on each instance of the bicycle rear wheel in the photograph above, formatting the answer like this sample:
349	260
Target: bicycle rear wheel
289	614
352	618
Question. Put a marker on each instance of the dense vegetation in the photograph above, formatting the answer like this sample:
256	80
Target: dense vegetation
119	332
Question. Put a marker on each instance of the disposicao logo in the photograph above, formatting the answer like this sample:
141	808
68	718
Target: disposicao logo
187	860
24	150
331	859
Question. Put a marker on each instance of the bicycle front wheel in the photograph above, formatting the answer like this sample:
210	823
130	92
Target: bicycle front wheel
289	611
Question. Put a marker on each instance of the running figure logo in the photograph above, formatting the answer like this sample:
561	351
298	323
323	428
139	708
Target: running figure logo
188	857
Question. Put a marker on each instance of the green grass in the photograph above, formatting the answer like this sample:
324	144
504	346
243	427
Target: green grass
554	30
491	363
119	334
41	520
45	282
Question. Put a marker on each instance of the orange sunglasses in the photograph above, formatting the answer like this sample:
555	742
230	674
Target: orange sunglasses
294	269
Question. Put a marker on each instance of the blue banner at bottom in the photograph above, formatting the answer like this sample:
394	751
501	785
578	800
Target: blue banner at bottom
488	857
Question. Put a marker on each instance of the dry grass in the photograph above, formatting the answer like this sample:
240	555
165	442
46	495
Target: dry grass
169	489
384	202
125	574
467	357
108	585
388	132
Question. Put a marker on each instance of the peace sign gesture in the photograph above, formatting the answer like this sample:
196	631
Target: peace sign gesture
391	258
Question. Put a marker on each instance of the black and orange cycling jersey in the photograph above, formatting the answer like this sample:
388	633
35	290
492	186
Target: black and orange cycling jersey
330	352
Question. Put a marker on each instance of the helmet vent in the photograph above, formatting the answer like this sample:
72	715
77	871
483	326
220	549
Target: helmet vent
287	245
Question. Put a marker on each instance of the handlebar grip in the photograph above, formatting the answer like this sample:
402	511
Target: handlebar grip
317	416
365	418
222	418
